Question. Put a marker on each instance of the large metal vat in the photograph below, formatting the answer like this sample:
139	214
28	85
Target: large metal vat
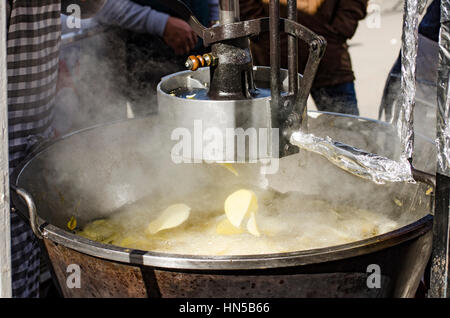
92	173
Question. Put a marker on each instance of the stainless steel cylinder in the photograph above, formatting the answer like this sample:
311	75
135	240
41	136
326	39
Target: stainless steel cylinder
219	116
229	11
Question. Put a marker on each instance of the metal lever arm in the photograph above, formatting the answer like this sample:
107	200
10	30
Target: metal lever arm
186	14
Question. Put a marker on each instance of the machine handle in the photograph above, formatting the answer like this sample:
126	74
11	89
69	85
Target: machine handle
185	14
31	210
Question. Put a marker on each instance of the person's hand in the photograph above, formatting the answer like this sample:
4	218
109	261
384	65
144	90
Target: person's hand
179	36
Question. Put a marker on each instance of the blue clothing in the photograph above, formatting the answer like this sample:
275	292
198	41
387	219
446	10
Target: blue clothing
132	16
431	22
205	13
143	16
339	98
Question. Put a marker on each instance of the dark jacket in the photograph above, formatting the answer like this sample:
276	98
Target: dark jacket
336	20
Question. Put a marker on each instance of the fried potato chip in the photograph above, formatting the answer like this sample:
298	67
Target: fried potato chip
171	217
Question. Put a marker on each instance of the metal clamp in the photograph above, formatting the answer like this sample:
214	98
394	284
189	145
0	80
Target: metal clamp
424	177
185	14
31	210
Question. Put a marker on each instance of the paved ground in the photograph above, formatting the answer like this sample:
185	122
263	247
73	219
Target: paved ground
373	52
374	49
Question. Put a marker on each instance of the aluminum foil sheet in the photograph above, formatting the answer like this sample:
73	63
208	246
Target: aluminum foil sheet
443	93
371	166
405	120
356	161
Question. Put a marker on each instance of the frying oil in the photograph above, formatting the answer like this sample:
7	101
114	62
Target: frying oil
287	223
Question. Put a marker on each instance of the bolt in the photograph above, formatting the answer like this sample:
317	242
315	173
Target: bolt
292	119
290	149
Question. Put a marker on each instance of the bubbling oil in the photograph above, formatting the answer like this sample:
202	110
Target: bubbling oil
287	223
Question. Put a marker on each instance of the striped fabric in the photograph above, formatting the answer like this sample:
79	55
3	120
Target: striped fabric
33	47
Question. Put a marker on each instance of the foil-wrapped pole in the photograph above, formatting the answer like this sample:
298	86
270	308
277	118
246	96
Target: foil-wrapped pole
405	119
443	93
439	282
353	160
370	166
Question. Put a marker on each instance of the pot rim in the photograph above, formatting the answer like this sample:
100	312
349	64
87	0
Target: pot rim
236	262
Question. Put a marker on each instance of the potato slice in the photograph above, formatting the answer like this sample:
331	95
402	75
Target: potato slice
72	224
226	228
252	228
239	204
100	230
171	217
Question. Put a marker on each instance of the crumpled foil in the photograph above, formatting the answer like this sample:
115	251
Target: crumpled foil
443	93
371	166
356	161
405	120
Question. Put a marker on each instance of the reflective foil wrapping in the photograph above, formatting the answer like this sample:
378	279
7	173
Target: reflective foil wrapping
405	120
371	166
443	103
357	162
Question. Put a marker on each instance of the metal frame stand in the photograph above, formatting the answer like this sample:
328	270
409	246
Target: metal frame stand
441	227
439	269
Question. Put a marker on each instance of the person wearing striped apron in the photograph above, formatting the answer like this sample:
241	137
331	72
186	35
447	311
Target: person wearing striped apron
33	42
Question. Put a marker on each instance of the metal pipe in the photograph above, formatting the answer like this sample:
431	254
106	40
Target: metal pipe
275	66
229	11
292	50
5	235
275	59
440	258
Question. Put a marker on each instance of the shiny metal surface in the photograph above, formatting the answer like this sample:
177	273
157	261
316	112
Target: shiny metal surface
356	161
31	207
229	11
405	121
443	106
178	112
